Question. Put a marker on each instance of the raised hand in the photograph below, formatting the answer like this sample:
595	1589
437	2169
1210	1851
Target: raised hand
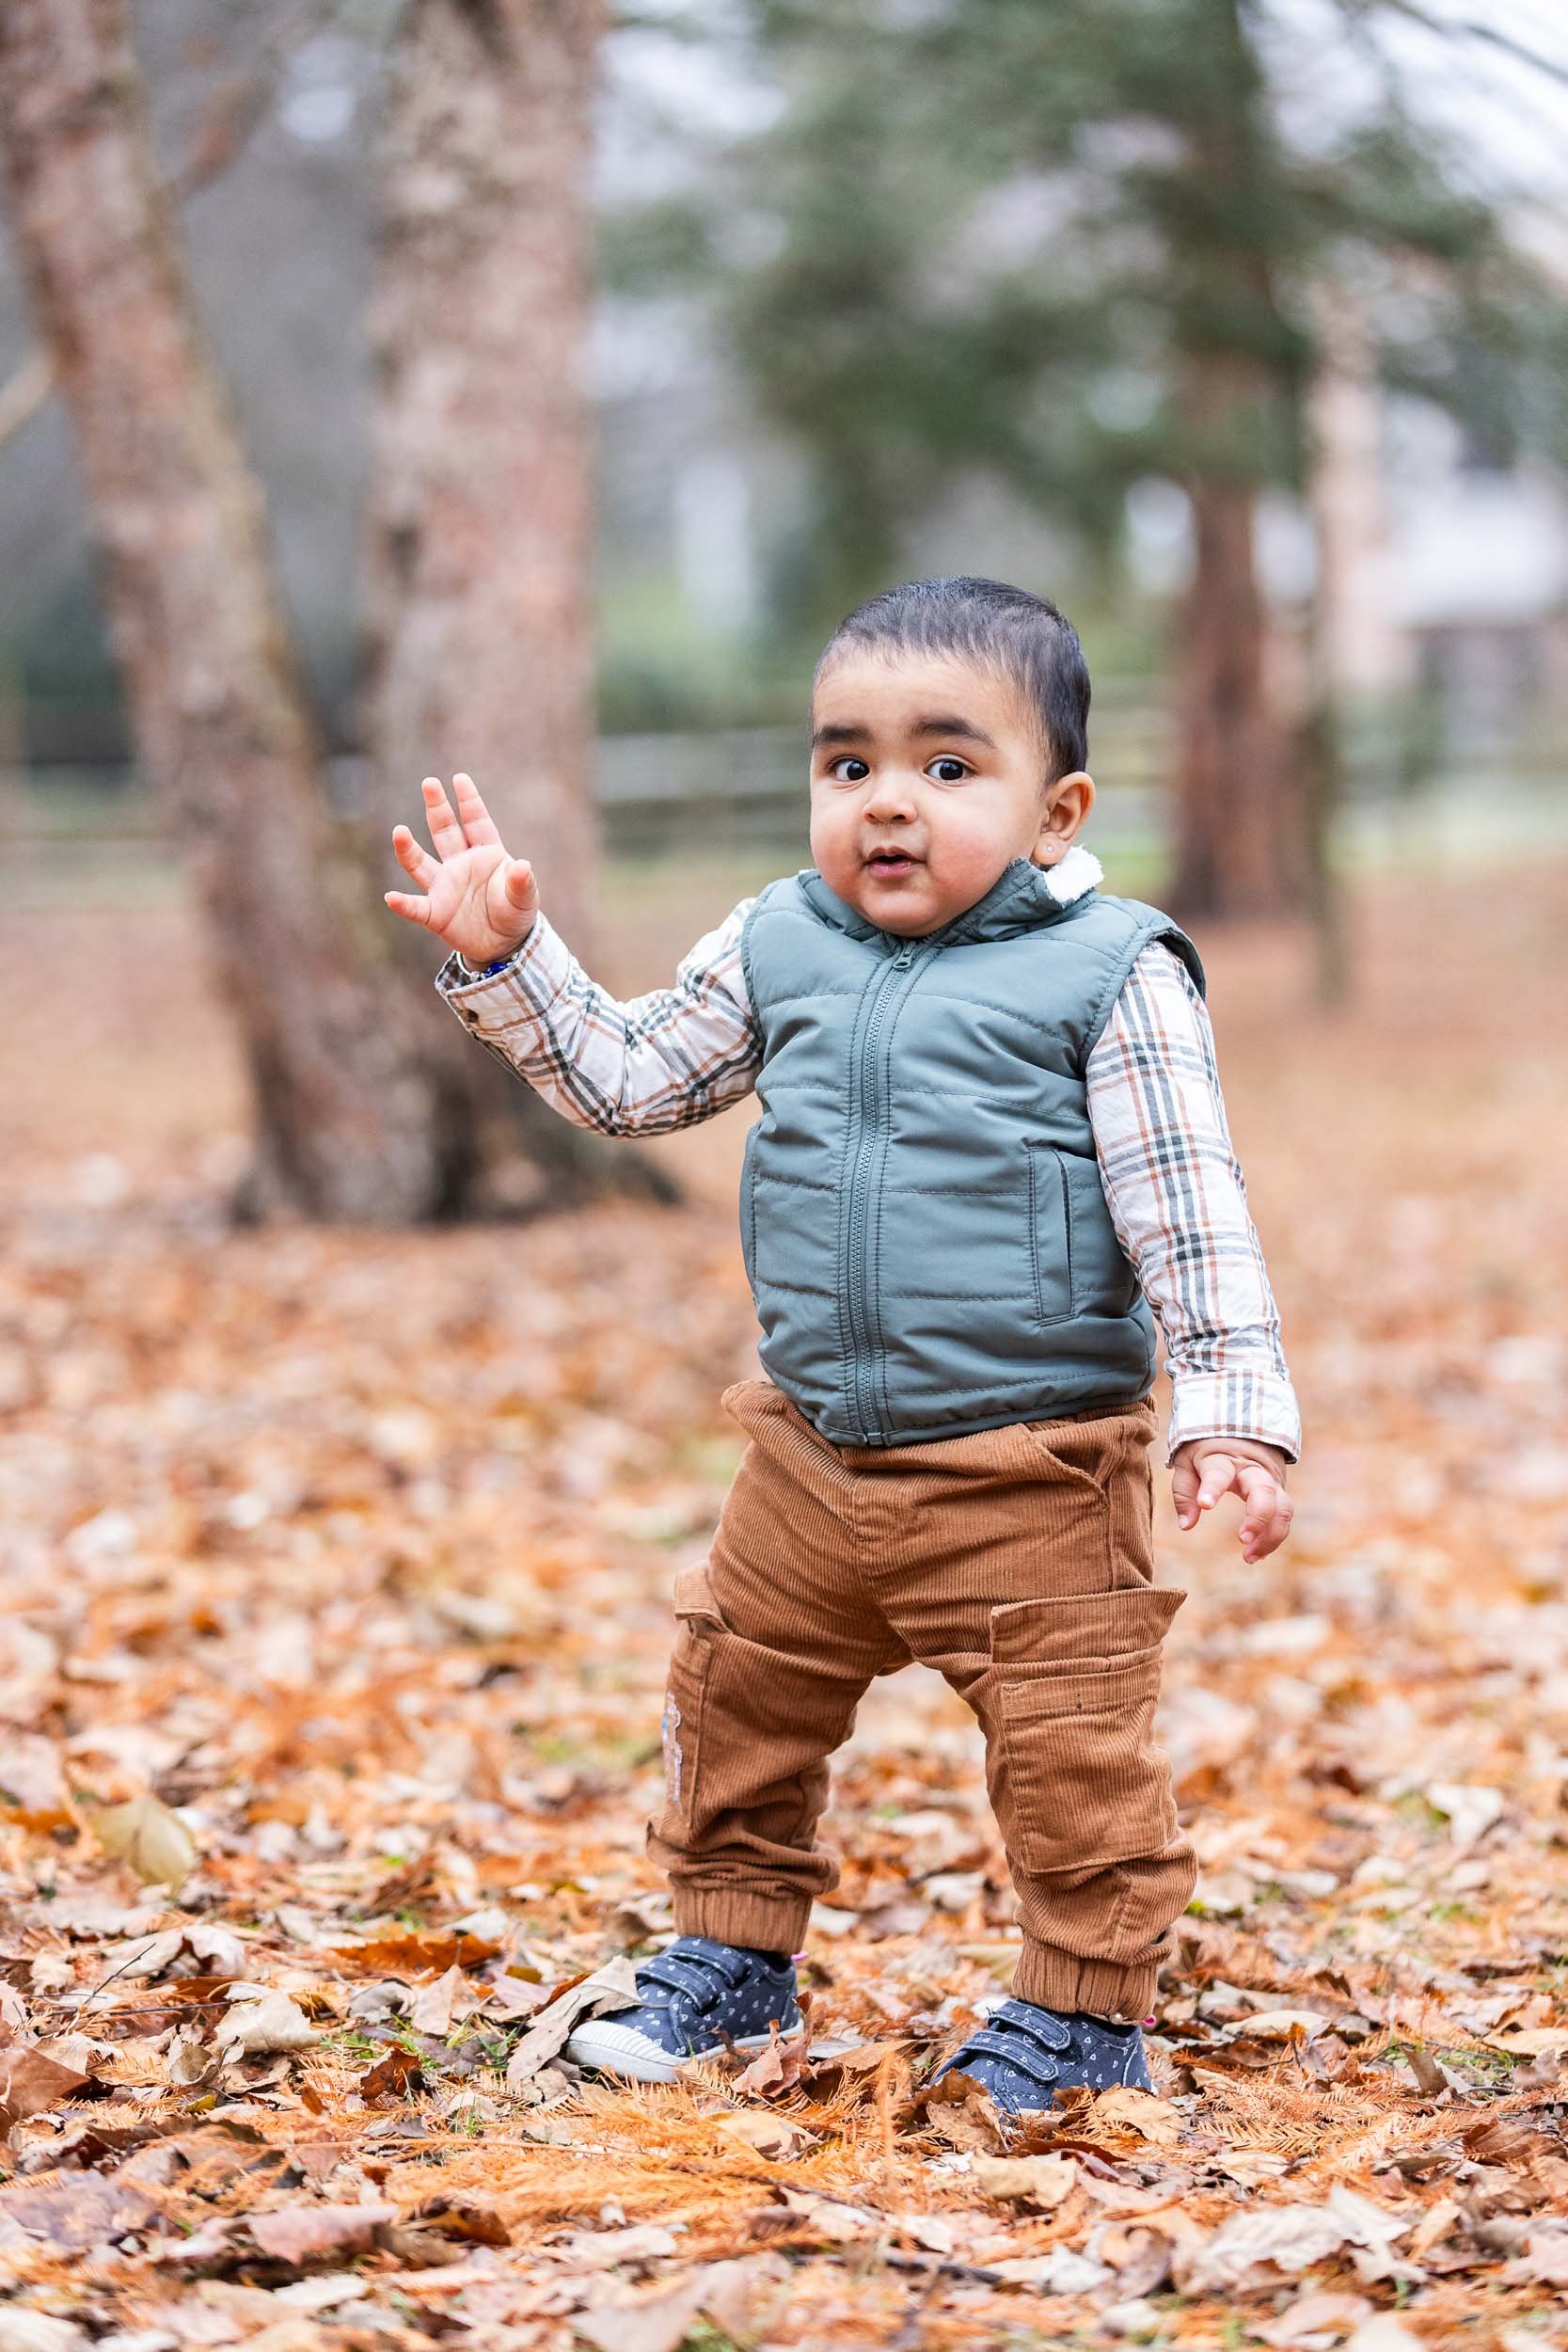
1207	1469
476	898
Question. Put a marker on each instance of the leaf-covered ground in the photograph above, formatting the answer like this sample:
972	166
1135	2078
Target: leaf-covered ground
335	1572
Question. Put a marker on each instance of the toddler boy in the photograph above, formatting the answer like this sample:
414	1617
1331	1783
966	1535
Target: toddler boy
992	1140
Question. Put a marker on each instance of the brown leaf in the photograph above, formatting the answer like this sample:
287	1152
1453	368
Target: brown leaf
416	1952
434	2005
31	2082
775	2068
392	2077
297	2232
78	2213
1120	2108
612	1987
464	2217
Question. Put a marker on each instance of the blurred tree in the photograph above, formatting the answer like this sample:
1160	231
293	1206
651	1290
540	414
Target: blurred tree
478	630
350	1122
1075	245
369	1101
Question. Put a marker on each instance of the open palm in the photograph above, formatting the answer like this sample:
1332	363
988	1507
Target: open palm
476	898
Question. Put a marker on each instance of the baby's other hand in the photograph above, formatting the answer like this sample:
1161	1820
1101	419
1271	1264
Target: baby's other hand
1205	1469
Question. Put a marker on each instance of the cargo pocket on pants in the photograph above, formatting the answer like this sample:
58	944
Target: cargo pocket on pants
698	1630
1077	1680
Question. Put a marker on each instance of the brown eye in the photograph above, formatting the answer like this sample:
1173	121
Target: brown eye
949	770
849	761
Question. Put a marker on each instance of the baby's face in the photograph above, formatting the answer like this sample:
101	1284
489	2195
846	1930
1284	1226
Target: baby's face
927	781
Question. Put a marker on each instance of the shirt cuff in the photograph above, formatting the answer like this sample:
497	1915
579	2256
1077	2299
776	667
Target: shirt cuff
527	983
1255	1405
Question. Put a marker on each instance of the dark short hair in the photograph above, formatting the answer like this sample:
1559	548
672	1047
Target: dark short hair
1005	629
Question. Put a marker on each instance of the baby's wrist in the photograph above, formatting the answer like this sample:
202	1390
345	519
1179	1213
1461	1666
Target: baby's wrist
485	966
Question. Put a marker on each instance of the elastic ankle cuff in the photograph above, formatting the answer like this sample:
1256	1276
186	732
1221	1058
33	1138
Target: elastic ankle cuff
732	1915
1062	1981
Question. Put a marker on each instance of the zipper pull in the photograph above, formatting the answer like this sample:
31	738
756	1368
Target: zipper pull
905	957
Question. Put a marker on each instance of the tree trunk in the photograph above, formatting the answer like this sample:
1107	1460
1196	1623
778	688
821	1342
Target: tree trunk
351	1125
1242	800
1231	799
478	630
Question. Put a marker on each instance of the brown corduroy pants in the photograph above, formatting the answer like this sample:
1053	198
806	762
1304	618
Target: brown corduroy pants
1019	1564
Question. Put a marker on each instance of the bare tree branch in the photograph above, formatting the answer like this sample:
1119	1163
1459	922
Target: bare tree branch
1492	36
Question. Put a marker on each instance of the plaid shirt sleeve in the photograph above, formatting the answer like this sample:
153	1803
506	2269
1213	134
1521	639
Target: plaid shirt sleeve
657	1062
1178	1205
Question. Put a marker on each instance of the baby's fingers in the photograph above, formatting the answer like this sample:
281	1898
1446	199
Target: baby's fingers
477	822
414	859
1269	1511
412	909
1183	1488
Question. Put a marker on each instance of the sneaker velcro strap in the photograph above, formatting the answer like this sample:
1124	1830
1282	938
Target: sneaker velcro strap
1026	2055
689	1973
1047	2032
732	1966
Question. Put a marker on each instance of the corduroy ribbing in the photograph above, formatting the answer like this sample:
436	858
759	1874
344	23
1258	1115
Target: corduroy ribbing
1018	1562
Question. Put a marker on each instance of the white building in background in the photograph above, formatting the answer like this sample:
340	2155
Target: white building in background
1446	576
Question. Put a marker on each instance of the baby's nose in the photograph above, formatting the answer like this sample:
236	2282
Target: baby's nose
891	795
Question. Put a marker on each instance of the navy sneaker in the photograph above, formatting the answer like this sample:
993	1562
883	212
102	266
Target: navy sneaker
1023	2056
696	2000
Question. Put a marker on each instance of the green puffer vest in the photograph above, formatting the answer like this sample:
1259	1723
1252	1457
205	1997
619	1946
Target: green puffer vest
923	1225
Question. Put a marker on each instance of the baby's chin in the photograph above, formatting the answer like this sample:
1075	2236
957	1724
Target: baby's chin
916	901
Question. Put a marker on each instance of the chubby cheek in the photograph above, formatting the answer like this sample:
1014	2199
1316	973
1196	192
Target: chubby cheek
835	842
967	852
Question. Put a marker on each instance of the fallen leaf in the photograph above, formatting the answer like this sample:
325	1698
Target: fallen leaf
259	2027
416	1952
828	2217
393	2076
191	2061
1281	2024
776	2067
31	2082
152	1840
1312	2321
37	2332
662	2322
1470	1809
1122	2108
612	1987
297	2233
434	2005
1042	2181
464	2217
79	2212
770	2136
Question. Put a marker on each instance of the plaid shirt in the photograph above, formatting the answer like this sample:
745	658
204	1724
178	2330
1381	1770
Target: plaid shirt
1171	1176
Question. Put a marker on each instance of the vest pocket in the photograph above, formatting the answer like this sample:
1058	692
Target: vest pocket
1079	1779
1050	1232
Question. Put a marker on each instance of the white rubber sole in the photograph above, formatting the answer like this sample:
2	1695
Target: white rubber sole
611	2049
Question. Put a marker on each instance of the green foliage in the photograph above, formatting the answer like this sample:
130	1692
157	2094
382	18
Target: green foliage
1063	247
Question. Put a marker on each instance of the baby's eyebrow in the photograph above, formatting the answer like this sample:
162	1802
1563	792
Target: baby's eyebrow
939	724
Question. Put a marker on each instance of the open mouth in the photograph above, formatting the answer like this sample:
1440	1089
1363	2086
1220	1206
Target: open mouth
891	862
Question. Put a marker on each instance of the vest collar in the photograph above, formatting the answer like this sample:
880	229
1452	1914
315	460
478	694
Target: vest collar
1023	897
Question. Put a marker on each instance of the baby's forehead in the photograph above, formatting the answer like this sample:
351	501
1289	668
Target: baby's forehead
894	686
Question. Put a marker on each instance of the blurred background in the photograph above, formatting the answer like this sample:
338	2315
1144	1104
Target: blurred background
523	388
390	390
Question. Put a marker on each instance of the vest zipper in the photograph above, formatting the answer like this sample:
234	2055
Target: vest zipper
857	1279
